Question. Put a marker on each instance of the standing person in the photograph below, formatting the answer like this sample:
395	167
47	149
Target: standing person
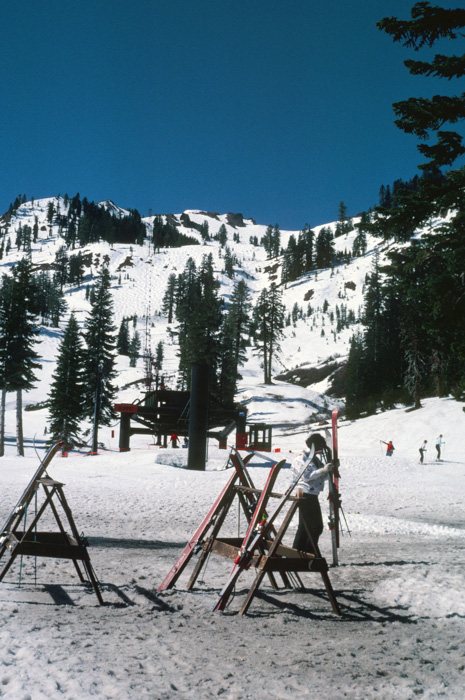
390	448
174	440
439	444
422	450
309	487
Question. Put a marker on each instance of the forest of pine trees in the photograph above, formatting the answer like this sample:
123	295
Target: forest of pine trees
413	343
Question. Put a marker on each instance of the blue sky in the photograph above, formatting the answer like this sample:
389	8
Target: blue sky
278	109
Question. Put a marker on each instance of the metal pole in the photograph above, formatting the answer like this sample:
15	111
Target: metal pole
198	416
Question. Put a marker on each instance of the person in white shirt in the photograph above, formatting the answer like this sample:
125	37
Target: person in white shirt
309	487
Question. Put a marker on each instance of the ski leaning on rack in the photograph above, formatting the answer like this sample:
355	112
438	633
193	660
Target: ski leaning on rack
222	503
17	513
334	498
257	531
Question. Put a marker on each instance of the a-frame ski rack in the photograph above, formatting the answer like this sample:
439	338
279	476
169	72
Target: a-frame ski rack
29	541
270	557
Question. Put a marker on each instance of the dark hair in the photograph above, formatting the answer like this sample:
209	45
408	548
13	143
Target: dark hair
317	440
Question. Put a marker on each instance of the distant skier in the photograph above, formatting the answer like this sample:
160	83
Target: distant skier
422	450
174	440
309	487
439	444
389	449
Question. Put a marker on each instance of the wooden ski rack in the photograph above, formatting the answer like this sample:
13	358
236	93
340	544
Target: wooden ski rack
271	558
29	541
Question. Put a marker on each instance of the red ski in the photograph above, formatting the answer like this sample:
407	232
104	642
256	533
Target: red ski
176	570
333	480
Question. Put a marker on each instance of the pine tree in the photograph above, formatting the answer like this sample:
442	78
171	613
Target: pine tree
268	240
290	266
221	236
229	260
268	317
199	316
169	298
227	367
343	224
5	354
430	274
18	335
275	241
61	267
134	349
123	340
99	358
324	253
66	391
234	341
355	374
159	355
427	118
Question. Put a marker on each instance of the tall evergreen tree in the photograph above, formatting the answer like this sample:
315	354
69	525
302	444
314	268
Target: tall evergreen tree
159	355
324	248
235	333
199	316
99	356
229	261
18	359
134	349
169	298
221	236
268	317
123	340
355	374
66	391
271	241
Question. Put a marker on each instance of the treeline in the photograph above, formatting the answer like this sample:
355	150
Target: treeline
167	235
413	343
216	331
206	328
82	383
81	222
314	252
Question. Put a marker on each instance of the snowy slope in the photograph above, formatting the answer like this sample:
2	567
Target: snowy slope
140	277
400	581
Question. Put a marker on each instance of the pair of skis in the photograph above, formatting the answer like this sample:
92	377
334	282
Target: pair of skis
258	530
334	498
208	522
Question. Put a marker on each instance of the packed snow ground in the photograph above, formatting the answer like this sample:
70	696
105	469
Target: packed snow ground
399	583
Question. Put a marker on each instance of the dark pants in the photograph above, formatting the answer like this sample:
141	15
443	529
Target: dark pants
438	450
309	514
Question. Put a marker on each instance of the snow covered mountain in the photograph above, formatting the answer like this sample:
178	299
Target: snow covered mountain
400	582
314	347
